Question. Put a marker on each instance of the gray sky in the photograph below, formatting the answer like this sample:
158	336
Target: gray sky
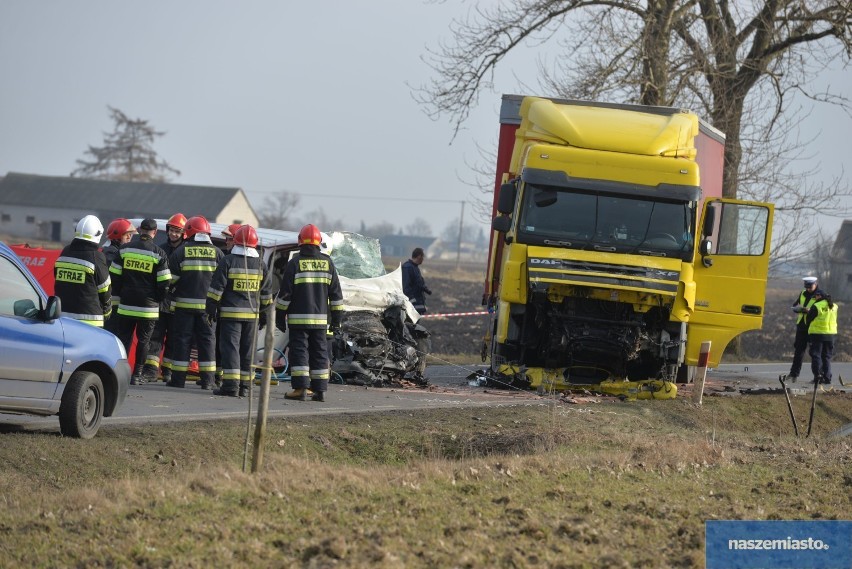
268	96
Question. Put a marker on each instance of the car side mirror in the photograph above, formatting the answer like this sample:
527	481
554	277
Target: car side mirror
53	310
501	224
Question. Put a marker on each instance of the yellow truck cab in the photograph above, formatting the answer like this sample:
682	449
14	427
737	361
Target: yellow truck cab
613	255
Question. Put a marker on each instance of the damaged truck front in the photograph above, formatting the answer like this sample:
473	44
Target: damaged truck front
613	255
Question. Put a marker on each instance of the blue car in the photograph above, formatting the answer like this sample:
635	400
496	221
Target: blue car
50	365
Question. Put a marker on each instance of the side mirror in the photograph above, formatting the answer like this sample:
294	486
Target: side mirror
501	224
506	199
705	247
709	221
53	310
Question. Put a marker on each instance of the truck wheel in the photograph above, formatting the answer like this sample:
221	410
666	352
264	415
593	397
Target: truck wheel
82	406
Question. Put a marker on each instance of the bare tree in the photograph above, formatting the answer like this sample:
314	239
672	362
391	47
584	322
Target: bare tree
127	154
419	227
278	210
737	64
377	230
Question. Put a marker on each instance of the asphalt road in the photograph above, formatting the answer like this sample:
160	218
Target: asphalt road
449	387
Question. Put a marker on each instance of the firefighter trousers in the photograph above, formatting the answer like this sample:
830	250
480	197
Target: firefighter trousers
143	327
308	354
186	326
235	341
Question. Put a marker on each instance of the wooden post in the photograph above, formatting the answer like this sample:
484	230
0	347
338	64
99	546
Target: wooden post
263	401
701	375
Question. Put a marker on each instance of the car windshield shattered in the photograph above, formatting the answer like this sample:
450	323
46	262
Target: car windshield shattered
380	342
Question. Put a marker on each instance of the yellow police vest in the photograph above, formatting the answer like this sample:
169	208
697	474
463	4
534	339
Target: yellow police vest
826	320
802	303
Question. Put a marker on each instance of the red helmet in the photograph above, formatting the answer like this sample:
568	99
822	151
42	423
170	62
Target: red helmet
119	227
310	235
197	224
231	230
245	236
177	220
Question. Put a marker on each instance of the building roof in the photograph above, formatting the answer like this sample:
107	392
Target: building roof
129	199
842	249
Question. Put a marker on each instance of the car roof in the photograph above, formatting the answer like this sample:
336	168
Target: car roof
267	237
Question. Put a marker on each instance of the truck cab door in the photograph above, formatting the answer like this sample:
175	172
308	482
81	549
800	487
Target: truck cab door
730	271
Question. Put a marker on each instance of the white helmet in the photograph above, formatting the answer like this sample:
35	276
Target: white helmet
325	245
89	229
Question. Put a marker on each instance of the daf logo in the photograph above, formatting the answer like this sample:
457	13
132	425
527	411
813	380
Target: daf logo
551	262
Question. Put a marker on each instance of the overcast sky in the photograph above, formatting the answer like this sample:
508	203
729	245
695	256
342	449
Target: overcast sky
311	98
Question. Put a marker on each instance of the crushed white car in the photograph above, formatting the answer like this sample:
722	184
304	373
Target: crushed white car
381	342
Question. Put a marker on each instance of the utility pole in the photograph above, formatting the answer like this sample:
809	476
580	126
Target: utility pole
461	228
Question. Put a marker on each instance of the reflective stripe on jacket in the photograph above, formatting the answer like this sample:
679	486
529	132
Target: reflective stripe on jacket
192	266
82	282
141	275
240	288
310	288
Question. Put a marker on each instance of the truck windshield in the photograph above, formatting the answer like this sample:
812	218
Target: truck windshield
605	222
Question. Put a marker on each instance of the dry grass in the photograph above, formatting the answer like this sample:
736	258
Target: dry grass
543	484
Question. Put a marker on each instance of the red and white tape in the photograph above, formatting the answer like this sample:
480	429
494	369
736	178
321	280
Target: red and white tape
448	314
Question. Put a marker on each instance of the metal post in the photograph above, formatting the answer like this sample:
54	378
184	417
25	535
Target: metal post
265	378
701	375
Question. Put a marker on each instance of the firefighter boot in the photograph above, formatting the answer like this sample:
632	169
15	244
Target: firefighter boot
137	378
300	394
318	389
178	379
229	388
207	380
244	389
167	375
149	373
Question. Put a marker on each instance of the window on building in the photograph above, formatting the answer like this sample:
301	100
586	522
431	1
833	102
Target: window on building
849	278
5	217
30	219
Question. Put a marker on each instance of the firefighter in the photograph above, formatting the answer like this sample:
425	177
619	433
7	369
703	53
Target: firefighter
192	267
310	289
82	279
141	275
228	234
801	306
160	339
239	292
119	231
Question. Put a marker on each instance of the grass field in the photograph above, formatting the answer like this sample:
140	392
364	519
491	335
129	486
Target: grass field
545	484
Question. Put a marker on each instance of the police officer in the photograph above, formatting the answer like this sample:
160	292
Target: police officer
801	306
82	279
161	341
822	330
192	267
310	289
141	275
413	284
119	232
239	292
